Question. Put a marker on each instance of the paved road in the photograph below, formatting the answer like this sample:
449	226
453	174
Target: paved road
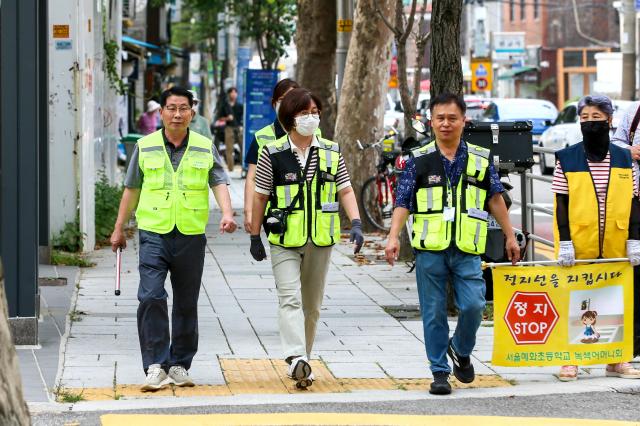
600	405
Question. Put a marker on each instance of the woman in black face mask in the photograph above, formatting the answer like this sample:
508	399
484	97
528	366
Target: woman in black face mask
597	213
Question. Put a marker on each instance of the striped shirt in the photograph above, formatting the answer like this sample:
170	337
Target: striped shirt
264	171
600	173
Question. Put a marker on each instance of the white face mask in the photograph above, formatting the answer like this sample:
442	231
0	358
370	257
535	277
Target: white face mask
307	124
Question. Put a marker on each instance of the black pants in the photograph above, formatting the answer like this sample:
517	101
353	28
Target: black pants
182	256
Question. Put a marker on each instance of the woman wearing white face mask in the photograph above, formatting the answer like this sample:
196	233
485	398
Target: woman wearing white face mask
305	179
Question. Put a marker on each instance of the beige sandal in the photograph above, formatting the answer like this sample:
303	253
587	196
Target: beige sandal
568	373
624	370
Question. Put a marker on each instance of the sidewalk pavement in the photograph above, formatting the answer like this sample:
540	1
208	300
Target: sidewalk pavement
361	351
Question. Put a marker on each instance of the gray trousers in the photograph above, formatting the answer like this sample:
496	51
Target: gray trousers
300	276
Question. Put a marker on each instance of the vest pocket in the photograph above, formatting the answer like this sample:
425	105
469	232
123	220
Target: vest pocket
326	228
475	197
296	234
429	199
194	214
154	210
153	169
473	235
196	175
286	194
429	232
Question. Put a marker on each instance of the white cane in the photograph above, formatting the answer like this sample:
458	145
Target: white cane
486	265
118	268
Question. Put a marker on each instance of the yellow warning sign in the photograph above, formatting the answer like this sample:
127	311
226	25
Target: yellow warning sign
61	31
345	25
481	75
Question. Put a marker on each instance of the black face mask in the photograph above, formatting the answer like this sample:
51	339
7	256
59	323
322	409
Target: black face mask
595	135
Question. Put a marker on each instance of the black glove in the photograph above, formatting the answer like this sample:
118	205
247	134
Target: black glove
356	235
257	249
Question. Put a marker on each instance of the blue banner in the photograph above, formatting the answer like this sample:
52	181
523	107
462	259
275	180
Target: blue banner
258	112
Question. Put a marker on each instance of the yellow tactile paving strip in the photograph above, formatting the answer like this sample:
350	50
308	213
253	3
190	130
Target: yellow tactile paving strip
342	419
260	376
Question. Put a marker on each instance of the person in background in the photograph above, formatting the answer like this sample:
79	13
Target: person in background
267	134
597	212
199	124
148	121
231	113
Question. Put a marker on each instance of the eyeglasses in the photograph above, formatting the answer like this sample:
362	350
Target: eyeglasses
173	109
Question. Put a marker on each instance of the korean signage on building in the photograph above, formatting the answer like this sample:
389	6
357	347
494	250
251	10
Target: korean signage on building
508	46
581	315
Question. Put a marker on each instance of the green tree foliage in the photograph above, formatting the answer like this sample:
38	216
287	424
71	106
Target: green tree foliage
269	23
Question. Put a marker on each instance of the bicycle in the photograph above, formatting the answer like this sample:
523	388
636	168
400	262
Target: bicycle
377	195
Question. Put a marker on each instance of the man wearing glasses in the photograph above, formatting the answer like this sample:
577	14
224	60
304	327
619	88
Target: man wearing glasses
168	183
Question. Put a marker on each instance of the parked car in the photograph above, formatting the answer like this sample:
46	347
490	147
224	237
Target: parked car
394	114
539	111
476	106
565	131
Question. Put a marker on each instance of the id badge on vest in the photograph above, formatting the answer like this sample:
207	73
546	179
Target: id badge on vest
449	214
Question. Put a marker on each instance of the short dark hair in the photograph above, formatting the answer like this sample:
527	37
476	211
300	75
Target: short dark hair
283	87
231	89
295	101
175	91
448	98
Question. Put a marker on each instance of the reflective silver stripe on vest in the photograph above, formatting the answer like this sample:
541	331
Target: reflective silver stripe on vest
419	152
152	148
481	152
477	197
266	137
476	239
327	155
425	228
478	163
332	225
287	195
330	196
198	149
273	149
429	198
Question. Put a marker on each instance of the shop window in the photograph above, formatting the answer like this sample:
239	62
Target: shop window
572	58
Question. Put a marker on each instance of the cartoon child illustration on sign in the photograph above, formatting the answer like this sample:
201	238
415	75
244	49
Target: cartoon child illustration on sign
589	335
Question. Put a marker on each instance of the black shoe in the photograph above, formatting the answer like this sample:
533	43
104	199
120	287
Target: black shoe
440	384
462	367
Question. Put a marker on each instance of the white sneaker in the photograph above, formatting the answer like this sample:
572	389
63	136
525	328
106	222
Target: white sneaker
300	371
156	378
180	377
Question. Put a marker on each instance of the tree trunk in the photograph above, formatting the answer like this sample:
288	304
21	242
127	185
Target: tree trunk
364	88
316	68
408	107
446	68
13	409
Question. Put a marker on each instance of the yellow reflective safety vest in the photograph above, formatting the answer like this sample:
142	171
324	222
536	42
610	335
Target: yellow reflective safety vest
442	213
584	212
171	198
313	213
268	134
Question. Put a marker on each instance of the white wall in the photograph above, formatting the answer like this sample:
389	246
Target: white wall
62	128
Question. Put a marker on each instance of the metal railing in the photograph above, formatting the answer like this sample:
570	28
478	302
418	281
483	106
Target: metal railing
529	207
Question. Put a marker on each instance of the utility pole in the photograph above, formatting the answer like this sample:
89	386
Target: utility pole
628	48
344	26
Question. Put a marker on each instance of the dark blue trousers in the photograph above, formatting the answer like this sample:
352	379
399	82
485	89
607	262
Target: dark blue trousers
182	256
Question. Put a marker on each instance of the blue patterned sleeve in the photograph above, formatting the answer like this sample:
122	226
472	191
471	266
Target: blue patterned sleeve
406	185
495	186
